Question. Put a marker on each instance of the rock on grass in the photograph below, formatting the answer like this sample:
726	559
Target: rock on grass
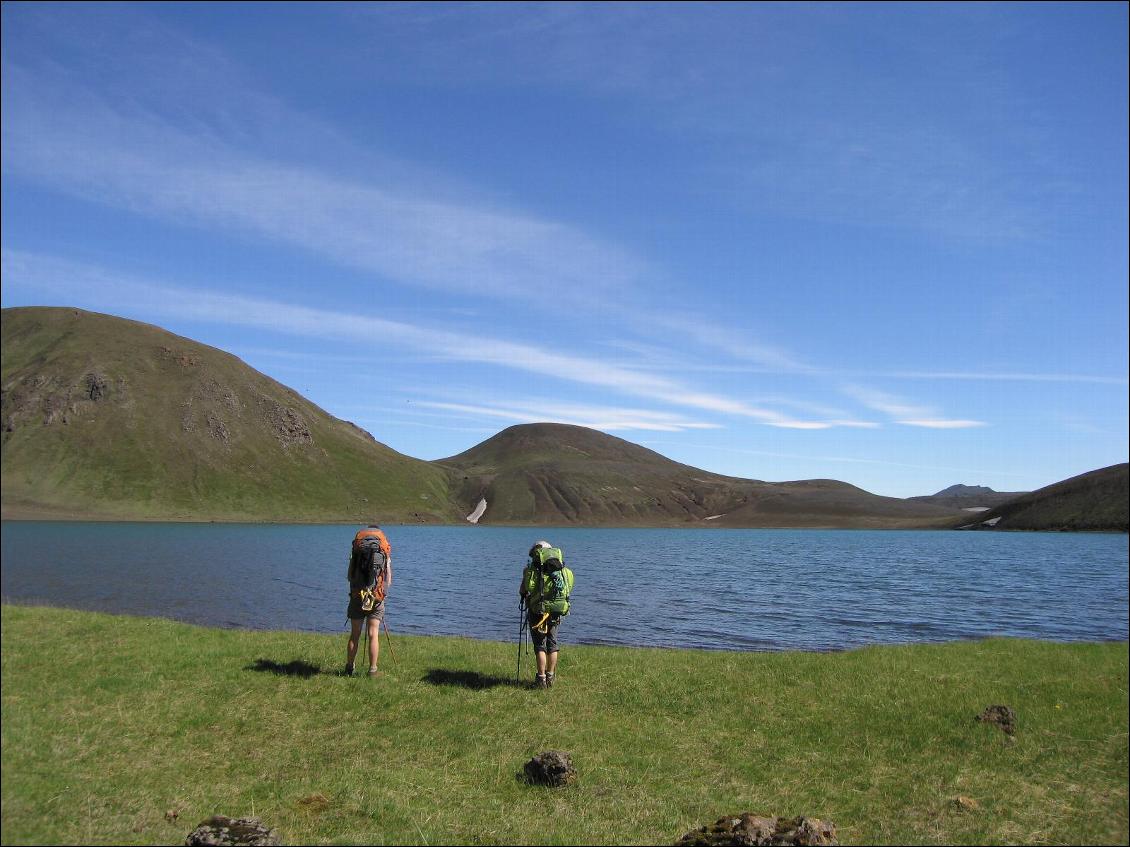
238	832
553	768
1002	716
748	830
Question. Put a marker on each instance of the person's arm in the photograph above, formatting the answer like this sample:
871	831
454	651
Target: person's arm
523	589
388	572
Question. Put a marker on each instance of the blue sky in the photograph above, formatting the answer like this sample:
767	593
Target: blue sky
885	244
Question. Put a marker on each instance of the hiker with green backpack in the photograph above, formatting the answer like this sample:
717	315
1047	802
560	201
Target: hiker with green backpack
545	589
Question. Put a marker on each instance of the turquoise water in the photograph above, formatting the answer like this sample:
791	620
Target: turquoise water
717	589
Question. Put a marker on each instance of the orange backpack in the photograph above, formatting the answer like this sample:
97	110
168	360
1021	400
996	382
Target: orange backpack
368	561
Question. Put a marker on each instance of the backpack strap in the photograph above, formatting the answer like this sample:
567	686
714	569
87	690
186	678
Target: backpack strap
379	581
376	575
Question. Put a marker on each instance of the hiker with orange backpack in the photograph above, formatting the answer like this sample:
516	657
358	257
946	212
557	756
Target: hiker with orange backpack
370	577
545	589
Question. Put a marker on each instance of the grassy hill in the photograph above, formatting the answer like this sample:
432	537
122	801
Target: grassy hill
142	728
1095	501
106	417
556	473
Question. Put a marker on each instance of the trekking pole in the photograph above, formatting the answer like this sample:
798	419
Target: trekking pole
388	638
521	639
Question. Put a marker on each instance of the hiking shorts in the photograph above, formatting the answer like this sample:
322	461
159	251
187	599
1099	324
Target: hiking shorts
545	642
355	612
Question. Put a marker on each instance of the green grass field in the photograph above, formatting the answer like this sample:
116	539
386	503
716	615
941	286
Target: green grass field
111	722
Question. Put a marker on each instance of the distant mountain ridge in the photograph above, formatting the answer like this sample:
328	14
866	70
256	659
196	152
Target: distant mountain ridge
557	473
969	497
107	418
962	490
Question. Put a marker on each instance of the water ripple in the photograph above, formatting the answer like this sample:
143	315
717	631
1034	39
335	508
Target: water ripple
711	589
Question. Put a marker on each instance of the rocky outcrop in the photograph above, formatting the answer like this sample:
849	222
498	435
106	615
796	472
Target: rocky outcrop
289	426
211	404
96	386
748	829
183	358
222	830
57	399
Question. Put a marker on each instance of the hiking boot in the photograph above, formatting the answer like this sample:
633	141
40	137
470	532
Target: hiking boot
540	681
374	672
549	680
348	671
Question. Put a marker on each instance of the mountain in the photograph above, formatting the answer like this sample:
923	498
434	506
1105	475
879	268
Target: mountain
969	497
560	474
1096	501
104	417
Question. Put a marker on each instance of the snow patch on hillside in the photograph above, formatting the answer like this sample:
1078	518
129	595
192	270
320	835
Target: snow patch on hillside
478	513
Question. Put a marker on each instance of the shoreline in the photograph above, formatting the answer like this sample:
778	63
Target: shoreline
17	516
79	517
27	603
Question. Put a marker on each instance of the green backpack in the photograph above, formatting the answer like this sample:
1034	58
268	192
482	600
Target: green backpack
553	590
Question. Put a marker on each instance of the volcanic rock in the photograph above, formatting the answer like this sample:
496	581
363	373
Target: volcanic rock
1002	716
749	830
553	768
238	832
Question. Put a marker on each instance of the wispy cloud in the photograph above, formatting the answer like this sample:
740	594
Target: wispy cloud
834	144
608	419
60	134
854	460
886	403
70	139
683	329
903	412
941	423
111	290
656	357
1007	376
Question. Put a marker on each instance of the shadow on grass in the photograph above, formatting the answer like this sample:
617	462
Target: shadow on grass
297	667
466	679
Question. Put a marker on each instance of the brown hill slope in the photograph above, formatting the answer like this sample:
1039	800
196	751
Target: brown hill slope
106	417
559	474
1098	500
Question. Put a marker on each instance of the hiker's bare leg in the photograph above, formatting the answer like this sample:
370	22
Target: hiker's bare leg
354	637
374	641
551	663
540	655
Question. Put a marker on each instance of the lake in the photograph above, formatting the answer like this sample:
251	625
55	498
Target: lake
755	589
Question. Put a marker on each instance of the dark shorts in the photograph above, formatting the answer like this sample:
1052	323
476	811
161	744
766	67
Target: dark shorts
545	642
355	613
